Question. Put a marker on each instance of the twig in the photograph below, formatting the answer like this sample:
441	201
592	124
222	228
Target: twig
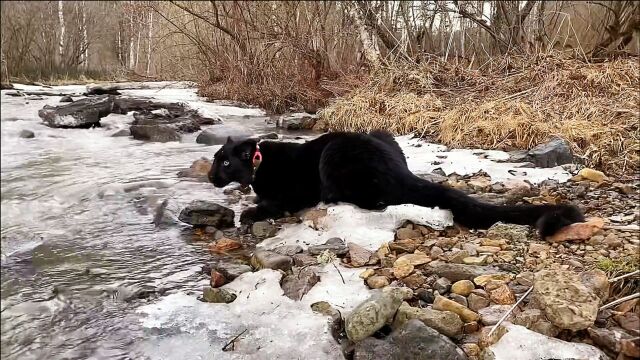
624	276
509	312
334	265
620	301
232	342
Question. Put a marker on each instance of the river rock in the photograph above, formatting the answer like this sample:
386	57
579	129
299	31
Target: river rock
402	269
66	99
154	133
445	322
83	113
553	153
263	229
455	272
483	280
217	135
335	245
297	121
417	341
616	340
462	287
264	259
296	285
415	259
218	295
491	315
122	133
288	250
511	232
27	134
199	169
565	300
206	213
230	270
415	280
500	293
304	260
359	256
442	285
377	281
372	348
443	304
370	315
477	302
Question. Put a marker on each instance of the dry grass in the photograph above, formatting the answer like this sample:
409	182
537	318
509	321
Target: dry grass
594	106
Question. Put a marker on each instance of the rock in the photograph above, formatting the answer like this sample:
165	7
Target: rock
297	121
482	280
288	250
612	241
491	315
445	322
578	231
442	285
217	295
223	245
455	272
269	136
519	156
627	305
206	213
523	344
417	341
377	281
402	269
122	133
27	134
629	321
616	340
596	280
359	256
493	242
370	315
230	270
475	260
324	308
457	257
296	285
335	245
566	302
444	304
263	229
477	302
372	348
404	246
553	153
154	133
83	113
525	278
511	232
366	274
502	295
426	295
218	134
462	287
436	252
471	350
405	233
592	175
414	259
488	249
304	260
415	280
527	318
459	299
66	99
199	169
216	279
264	259
161	110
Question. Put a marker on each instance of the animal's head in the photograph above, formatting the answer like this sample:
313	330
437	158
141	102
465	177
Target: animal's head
233	162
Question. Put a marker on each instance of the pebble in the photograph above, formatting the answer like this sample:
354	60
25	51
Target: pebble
442	285
462	287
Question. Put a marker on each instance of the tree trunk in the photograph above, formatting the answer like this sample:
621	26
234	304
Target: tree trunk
61	40
137	50
85	41
369	41
149	42
131	57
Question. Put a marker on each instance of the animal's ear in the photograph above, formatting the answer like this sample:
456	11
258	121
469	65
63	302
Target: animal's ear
245	148
229	140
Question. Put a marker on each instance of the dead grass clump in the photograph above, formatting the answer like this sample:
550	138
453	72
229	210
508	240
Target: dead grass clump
594	106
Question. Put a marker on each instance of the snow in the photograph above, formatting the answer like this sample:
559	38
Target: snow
530	345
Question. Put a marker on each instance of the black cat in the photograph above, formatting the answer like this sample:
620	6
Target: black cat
368	170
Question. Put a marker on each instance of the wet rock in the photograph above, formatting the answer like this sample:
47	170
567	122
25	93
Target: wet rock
206	213
263	229
121	133
492	314
199	169
553	153
304	260
27	134
455	272
477	302
223	245
372	349
217	135
217	295
297	121
616	340
288	250
154	133
370	315
462	287
444	304
83	113
442	285
596	280
296	285
445	322
359	256
511	232
417	341
230	270
377	281
566	302
264	259
66	99
335	245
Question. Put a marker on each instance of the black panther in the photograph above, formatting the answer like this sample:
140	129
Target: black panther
367	170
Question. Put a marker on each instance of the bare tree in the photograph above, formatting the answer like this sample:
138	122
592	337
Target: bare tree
61	39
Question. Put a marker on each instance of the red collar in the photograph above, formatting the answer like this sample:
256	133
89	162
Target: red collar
257	159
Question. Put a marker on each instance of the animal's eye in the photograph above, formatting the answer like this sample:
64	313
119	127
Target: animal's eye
225	163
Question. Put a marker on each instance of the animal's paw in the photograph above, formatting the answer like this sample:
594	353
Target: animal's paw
248	216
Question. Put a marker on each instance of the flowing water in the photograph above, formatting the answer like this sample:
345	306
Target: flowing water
79	250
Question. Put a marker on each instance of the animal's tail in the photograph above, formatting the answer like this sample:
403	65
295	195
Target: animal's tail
475	214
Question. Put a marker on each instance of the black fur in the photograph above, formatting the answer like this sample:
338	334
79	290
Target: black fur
368	170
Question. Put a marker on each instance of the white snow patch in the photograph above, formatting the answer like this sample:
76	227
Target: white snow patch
530	345
369	229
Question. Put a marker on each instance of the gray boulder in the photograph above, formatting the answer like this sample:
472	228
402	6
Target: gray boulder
84	113
27	134
264	259
416	341
155	133
206	213
372	314
553	153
